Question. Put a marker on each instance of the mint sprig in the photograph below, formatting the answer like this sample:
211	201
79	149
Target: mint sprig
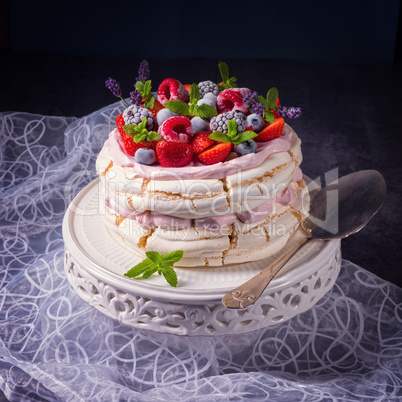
140	133
227	82
155	262
269	103
232	136
192	109
144	88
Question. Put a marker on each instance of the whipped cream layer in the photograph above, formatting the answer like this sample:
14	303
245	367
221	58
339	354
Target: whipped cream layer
199	191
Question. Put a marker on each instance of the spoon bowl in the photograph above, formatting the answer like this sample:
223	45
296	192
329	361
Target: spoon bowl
337	210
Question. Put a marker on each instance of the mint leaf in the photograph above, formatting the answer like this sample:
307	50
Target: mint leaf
139	269
155	262
153	136
206	111
193	110
272	97
130	129
244	136
170	275
178	106
149	102
269	116
232	128
172	257
147	87
139	86
219	136
154	256
194	93
224	70
262	100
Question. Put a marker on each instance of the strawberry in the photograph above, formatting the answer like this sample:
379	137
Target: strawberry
174	154
201	142
171	89
271	130
215	154
129	144
275	112
188	87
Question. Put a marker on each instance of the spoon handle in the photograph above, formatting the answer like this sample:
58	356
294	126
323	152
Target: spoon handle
247	294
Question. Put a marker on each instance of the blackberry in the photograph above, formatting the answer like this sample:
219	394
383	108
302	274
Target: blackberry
220	122
134	115
208	86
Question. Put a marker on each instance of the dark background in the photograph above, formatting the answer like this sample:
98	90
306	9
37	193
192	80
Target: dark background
339	61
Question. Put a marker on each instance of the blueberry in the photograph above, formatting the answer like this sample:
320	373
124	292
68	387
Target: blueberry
163	115
145	156
206	102
246	147
199	124
211	97
256	121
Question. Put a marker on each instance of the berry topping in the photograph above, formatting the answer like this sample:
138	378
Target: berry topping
271	130
145	156
128	142
211	98
176	129
256	121
220	122
199	124
163	115
246	147
134	115
171	89
201	142
215	154
208	87
174	154
231	99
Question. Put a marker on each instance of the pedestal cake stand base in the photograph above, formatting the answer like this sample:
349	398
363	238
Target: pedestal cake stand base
96	260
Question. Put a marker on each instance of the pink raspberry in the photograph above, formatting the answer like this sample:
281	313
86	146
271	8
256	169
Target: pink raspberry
176	129
171	89
232	99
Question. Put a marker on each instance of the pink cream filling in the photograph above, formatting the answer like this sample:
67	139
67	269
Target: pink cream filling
196	170
150	219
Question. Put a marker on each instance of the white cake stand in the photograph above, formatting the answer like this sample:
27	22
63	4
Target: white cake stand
96	260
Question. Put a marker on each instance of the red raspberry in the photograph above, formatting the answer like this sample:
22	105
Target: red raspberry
174	154
230	100
171	89
176	129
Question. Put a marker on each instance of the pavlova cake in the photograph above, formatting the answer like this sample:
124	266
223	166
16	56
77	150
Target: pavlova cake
211	169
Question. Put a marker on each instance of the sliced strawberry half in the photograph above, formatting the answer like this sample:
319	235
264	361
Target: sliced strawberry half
201	141
171	89
174	154
215	154
275	112
231	99
271	130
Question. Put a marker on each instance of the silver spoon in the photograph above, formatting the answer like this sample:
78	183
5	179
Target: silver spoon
338	210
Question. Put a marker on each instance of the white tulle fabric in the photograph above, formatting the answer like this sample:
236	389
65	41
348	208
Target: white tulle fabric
55	347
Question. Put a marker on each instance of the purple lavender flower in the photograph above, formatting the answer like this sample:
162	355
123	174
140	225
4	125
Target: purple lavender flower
251	98
135	98
289	112
114	86
143	71
258	108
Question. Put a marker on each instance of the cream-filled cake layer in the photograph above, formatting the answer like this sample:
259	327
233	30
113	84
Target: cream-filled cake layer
235	186
241	241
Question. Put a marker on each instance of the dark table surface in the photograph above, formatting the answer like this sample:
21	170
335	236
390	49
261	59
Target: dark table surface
352	118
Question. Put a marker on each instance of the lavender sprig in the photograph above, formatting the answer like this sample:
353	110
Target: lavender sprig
135	97
258	108
143	72
250	98
289	112
114	87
